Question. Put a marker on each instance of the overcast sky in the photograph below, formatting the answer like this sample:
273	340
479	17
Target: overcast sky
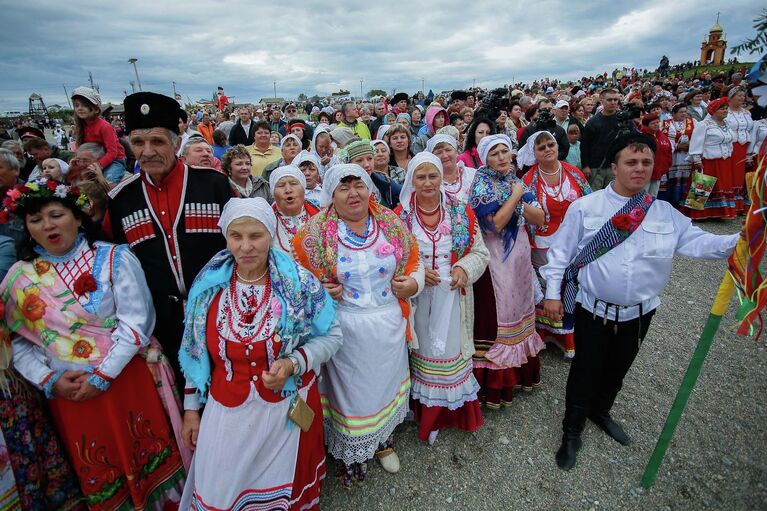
317	47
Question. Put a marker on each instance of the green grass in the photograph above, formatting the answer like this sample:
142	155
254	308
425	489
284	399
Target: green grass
716	69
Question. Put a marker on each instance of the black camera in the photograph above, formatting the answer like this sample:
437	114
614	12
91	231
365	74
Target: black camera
544	122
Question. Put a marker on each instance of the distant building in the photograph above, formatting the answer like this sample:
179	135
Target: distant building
712	49
272	101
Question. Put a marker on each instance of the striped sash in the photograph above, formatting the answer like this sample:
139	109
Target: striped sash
614	232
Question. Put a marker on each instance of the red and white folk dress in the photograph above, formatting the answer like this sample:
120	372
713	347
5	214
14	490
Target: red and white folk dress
249	455
555	200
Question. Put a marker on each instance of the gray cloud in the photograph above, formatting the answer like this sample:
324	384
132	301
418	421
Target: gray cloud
317	47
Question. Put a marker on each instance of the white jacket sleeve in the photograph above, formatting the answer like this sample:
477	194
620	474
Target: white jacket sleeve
31	362
475	262
699	244
562	251
135	314
696	142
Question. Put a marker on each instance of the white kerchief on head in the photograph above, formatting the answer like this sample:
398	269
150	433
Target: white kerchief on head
440	138
489	142
64	166
526	155
294	137
333	178
376	142
416	161
306	156
382	131
256	208
286	171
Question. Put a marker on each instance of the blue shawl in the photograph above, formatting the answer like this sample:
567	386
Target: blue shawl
307	310
488	193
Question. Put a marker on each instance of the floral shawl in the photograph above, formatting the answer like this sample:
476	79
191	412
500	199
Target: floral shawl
307	310
315	246
463	224
489	191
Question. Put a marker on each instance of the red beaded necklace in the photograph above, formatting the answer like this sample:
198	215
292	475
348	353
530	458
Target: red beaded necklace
253	304
431	230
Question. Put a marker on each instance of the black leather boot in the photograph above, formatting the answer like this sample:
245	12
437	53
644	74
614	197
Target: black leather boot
572	425
609	426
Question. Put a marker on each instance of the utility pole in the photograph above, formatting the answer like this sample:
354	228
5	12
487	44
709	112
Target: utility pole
275	89
361	95
133	86
174	89
90	79
67	95
133	61
422	86
474	83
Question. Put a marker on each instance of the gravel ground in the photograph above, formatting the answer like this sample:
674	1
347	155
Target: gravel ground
717	459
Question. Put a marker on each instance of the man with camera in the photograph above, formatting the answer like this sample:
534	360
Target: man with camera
597	135
545	122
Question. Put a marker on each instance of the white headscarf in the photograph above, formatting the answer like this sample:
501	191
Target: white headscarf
382	129
321	128
306	156
489	142
440	138
294	137
526	155
256	208
407	187
286	171
376	142
335	174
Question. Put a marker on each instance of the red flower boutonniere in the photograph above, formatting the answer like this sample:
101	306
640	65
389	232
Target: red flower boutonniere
623	222
85	284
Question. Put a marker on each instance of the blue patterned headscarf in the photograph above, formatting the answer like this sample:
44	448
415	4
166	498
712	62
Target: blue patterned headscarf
307	310
489	191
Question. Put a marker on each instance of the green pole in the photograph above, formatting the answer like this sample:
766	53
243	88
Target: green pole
682	396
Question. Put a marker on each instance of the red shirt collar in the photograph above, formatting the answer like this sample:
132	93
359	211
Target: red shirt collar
172	178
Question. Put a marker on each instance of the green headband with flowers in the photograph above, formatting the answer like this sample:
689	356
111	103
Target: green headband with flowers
43	188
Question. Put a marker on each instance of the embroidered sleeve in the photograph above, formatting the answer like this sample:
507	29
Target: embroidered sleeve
325	334
697	141
475	262
134	314
31	362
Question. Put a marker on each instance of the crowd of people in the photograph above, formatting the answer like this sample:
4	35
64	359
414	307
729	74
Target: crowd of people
210	301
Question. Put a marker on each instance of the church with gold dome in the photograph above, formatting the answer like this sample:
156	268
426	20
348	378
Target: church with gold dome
712	48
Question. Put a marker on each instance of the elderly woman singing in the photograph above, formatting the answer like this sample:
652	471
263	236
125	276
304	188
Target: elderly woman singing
370	263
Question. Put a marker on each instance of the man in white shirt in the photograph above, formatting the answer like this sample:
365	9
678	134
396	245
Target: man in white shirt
619	272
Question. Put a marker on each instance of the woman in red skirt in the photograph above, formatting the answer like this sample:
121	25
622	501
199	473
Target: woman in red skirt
740	122
556	184
711	148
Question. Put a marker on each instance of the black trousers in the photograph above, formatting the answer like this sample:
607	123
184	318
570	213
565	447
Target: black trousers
603	356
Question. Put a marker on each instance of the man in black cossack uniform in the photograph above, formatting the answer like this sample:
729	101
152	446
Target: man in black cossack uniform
168	213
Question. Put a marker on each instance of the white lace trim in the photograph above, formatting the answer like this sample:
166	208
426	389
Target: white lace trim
360	448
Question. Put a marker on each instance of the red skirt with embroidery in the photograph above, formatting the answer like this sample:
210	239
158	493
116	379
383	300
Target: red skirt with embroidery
721	202
121	444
